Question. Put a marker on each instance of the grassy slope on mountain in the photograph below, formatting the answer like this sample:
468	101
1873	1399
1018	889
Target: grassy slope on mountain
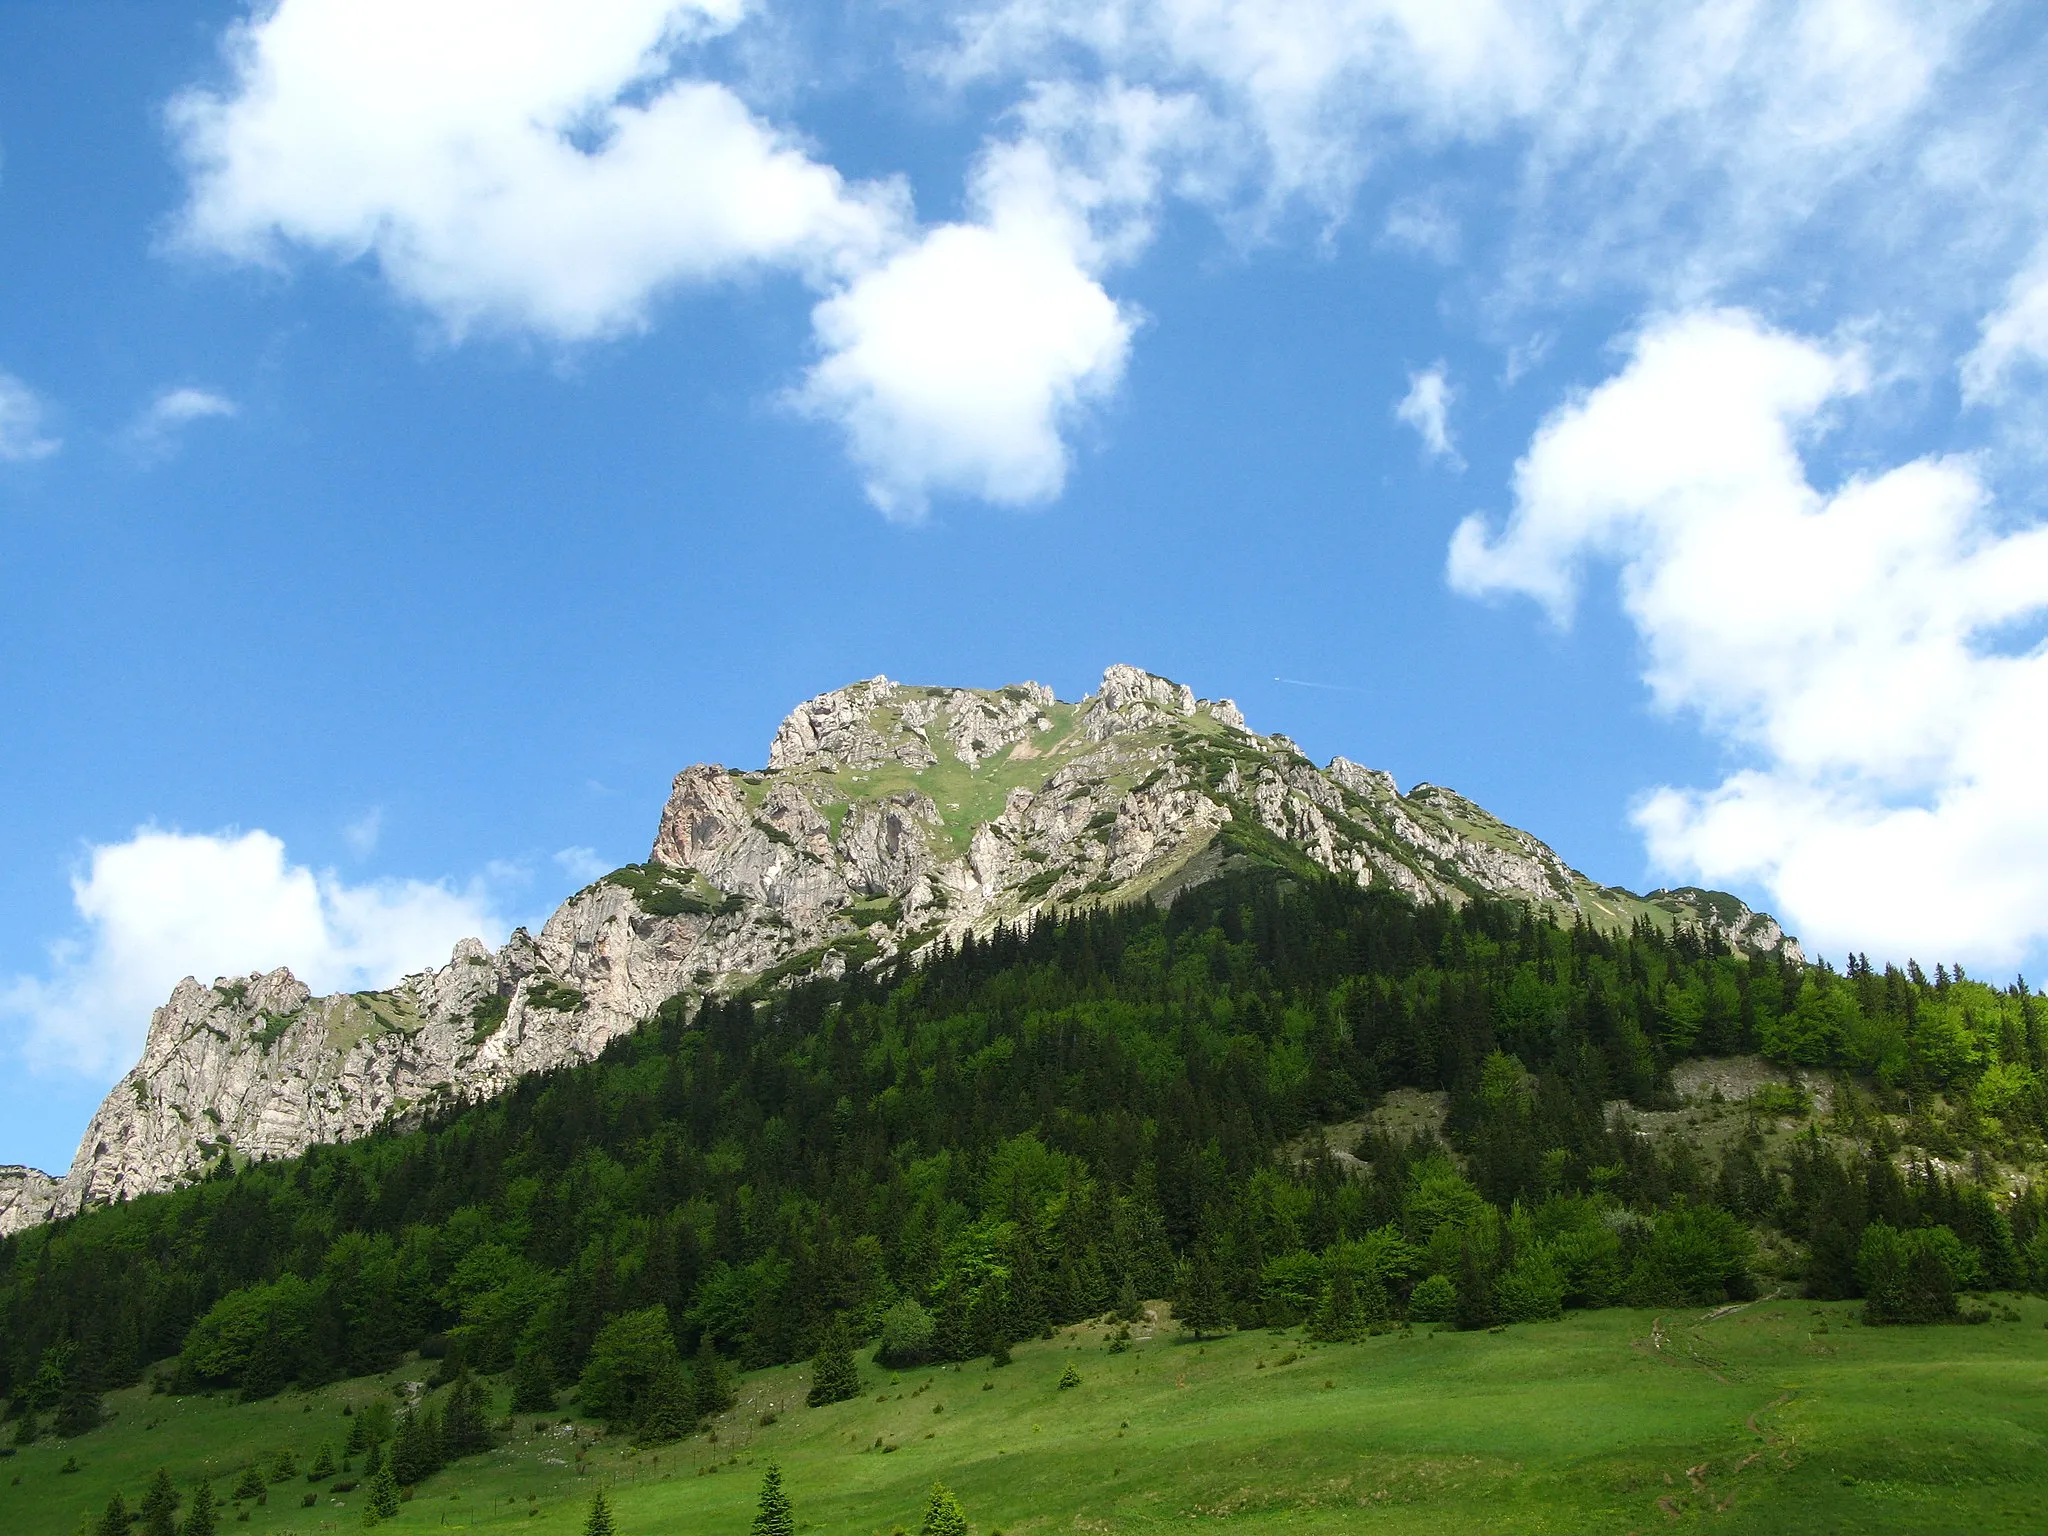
1785	1417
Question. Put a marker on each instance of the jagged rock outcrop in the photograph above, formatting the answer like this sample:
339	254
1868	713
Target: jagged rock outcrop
889	817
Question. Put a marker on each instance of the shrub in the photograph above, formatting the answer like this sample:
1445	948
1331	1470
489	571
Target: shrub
906	1336
1434	1300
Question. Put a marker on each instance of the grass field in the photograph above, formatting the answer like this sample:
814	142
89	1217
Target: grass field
1782	1417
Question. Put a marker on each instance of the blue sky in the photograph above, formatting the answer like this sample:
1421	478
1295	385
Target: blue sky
420	438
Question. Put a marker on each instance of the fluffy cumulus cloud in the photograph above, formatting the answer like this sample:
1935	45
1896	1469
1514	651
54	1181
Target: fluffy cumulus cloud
553	168
959	364
23	435
1872	647
164	905
530	163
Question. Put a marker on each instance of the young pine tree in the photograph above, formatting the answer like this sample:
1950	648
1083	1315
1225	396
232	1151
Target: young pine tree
383	1495
775	1516
323	1465
115	1521
203	1518
834	1377
250	1484
943	1515
1339	1317
599	1521
160	1506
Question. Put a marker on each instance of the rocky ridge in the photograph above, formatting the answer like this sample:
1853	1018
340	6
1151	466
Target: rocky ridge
888	817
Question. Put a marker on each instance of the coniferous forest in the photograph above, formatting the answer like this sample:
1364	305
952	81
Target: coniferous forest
931	1162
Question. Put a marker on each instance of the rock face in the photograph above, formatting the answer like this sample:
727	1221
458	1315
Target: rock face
888	817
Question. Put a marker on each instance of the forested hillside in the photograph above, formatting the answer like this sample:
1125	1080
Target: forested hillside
1050	1125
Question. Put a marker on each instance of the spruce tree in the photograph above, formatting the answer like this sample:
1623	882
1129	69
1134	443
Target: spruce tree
666	1411
951	1338
160	1506
203	1518
1128	1306
599	1521
710	1380
1339	1318
533	1385
465	1427
1201	1303
834	1377
775	1516
115	1521
250	1485
1475	1292
78	1405
943	1515
383	1494
323	1465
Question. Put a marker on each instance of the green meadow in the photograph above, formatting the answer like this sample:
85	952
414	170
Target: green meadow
1778	1417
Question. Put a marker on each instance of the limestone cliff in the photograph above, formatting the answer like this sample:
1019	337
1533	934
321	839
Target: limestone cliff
888	817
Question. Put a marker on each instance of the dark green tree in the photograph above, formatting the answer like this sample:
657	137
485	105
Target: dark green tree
323	1464
160	1506
1200	1307
599	1521
1339	1317
711	1386
78	1404
115	1521
250	1484
465	1419
834	1377
625	1357
775	1517
1475	1291
533	1384
203	1518
667	1411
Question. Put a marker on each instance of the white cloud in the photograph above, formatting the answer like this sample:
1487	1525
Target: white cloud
1427	408
363	834
22	415
1677	146
1424	226
528	163
1873	648
164	905
2014	335
155	431
582	864
955	366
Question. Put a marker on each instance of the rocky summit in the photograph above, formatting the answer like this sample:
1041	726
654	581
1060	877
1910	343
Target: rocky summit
889	818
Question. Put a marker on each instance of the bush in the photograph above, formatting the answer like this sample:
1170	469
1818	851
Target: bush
1434	1300
907	1331
1530	1289
1910	1277
628	1353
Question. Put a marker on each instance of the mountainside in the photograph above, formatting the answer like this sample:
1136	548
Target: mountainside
889	817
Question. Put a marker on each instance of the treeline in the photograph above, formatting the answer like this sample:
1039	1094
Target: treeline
1050	1124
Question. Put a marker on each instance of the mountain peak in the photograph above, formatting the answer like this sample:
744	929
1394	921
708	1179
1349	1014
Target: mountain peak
889	817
